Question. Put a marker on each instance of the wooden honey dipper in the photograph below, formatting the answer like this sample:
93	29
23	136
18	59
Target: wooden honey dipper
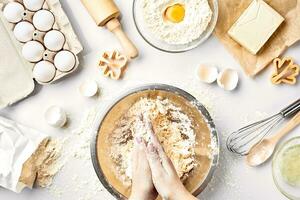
106	13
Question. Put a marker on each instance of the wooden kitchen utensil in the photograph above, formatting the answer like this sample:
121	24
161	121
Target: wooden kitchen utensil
260	152
106	13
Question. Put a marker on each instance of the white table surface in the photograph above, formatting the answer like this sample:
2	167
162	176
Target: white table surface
253	99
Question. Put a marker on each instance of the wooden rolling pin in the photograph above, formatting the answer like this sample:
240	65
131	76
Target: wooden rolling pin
106	13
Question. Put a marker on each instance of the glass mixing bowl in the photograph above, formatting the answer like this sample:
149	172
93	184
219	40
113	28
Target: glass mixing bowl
290	191
171	48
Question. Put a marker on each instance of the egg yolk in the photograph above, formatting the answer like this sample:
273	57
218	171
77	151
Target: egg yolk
175	13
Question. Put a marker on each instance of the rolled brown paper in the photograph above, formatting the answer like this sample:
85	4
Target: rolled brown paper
102	11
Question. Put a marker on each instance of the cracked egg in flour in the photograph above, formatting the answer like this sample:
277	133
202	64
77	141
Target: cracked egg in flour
177	22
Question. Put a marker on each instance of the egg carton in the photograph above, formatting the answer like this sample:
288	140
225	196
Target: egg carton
61	23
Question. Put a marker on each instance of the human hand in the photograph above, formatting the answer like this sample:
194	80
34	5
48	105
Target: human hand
164	176
142	185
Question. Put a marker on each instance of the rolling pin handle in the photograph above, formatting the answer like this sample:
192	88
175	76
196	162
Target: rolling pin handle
115	27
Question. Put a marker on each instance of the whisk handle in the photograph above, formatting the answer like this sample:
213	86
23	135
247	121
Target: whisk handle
291	109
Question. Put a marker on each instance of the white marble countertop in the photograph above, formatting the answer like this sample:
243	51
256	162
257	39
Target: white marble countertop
253	99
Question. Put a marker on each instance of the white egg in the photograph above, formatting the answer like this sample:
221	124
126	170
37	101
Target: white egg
88	88
33	51
228	79
44	71
33	5
43	20
13	12
55	116
54	40
23	31
64	61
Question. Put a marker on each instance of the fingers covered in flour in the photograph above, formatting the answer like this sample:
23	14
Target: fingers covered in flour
165	160
154	161
164	175
142	159
139	153
142	185
135	155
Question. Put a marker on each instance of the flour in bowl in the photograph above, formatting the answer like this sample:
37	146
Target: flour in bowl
188	19
173	128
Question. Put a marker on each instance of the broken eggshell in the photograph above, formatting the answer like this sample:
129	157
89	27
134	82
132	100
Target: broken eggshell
13	12
43	20
88	88
55	116
33	5
207	73
228	79
44	71
33	51
23	31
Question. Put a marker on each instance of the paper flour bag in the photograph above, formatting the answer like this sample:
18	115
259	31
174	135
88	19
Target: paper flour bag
17	144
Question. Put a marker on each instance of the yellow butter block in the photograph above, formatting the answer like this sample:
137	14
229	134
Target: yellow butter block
255	26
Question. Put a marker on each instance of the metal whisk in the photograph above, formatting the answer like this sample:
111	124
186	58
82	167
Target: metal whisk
241	141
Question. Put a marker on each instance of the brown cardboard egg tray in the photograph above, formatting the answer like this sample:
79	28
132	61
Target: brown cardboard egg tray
62	24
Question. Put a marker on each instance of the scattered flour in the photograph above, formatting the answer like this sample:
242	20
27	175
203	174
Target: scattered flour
48	162
44	164
76	149
197	17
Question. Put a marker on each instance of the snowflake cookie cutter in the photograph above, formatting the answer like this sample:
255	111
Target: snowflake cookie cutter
285	71
113	64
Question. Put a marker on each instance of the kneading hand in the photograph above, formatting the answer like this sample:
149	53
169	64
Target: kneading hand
142	185
164	176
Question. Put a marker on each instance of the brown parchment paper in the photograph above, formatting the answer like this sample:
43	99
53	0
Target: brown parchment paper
202	148
287	34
